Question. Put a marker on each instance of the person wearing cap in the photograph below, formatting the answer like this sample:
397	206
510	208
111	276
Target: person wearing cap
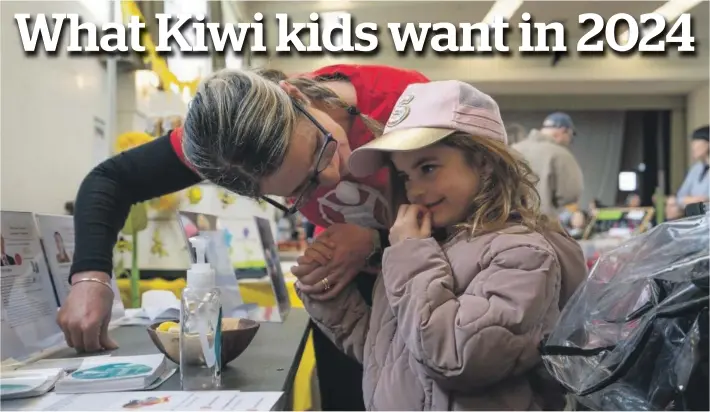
696	186
560	178
474	276
258	134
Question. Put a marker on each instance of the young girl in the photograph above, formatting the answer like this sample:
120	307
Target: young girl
475	276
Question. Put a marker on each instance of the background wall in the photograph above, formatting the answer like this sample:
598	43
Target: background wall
597	147
47	106
698	107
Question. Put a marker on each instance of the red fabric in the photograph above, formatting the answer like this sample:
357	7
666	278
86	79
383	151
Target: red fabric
378	88
358	201
176	142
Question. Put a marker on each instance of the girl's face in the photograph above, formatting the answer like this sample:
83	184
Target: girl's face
440	179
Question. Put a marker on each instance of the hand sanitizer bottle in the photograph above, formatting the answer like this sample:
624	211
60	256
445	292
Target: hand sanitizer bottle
200	325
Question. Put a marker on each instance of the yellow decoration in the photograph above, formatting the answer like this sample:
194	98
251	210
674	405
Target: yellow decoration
226	198
165	203
157	248
123	245
157	63
194	195
128	141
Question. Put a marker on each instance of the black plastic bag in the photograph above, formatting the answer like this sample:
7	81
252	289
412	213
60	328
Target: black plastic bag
635	334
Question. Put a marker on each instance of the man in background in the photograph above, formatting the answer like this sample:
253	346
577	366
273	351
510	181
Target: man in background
696	186
546	151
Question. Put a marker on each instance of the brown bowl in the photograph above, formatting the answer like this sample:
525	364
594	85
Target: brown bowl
237	334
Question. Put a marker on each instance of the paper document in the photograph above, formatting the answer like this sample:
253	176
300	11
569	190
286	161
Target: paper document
153	401
160	304
57	234
156	305
28	307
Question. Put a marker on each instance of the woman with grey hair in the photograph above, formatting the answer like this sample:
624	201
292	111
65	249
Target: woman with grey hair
257	134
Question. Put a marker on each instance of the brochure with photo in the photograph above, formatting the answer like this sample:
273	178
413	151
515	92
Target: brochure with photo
57	235
28	308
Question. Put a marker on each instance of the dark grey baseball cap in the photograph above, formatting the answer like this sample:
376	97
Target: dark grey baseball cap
560	120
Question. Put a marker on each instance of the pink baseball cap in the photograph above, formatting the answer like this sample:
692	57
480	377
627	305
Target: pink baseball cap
425	114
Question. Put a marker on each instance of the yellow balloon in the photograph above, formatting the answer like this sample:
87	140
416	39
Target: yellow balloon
129	140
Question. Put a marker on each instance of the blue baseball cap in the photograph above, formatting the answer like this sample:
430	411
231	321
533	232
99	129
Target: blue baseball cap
560	120
702	133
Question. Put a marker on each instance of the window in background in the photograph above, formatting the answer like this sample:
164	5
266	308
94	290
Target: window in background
232	60
628	181
100	10
188	67
332	19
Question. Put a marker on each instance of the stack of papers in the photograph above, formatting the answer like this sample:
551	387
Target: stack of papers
116	373
26	384
69	365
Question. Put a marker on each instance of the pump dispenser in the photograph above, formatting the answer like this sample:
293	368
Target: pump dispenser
200	324
201	275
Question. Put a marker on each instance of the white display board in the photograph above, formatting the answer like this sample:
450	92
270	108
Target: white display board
28	308
57	235
161	246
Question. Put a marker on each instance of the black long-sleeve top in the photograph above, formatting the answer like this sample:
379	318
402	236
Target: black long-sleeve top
108	191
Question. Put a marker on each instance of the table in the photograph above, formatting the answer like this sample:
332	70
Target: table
268	364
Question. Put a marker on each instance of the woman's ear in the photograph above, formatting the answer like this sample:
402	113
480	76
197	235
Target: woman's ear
293	91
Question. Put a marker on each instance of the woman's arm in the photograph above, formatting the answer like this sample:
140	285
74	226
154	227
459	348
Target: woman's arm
108	191
480	337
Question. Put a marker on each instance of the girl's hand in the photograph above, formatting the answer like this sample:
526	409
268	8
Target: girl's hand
413	222
352	245
318	253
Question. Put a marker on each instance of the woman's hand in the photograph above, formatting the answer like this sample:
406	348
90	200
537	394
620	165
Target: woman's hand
85	314
413	222
333	260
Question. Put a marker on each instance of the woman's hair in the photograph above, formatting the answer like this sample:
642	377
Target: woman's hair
314	90
506	188
238	125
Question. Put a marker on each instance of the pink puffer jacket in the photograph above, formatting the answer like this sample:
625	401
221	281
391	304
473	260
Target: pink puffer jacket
456	327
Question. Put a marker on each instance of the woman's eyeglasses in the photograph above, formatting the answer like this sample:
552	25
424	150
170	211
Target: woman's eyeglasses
327	151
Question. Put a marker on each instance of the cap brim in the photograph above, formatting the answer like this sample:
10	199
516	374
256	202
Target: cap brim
371	157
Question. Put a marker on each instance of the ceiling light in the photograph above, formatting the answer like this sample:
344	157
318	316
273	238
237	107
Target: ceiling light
670	11
503	8
674	8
